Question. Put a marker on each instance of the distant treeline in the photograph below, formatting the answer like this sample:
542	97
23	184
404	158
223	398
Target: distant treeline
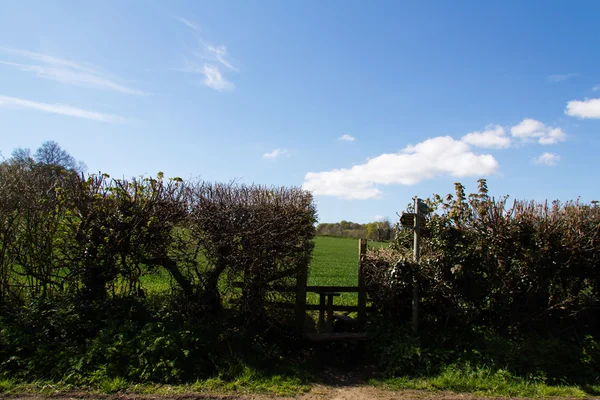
379	230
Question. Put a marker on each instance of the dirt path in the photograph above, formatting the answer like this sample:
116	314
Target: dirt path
369	392
365	392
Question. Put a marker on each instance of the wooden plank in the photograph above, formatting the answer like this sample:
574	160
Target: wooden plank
311	289
327	337
336	307
316	307
319	289
276	288
362	291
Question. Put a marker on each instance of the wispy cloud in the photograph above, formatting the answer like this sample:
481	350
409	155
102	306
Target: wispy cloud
597	87
588	108
210	61
63	71
44	58
276	154
347	138
214	54
493	137
439	156
62	109
561	77
188	23
530	130
214	79
549	159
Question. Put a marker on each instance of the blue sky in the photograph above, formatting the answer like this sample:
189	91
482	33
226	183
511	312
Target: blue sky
365	103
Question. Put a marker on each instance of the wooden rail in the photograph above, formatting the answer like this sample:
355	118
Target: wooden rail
335	336
317	307
310	289
321	289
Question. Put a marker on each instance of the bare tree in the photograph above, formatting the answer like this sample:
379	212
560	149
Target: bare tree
22	156
50	153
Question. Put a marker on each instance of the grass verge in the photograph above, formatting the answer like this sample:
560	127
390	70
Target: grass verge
484	381
249	380
479	381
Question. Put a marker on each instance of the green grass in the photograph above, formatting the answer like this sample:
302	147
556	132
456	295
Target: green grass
287	383
479	381
486	382
157	282
335	263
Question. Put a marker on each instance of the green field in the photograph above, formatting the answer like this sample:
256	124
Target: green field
335	263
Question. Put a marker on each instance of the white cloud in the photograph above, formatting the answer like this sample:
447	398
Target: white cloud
588	108
493	137
597	87
214	79
208	60
62	109
276	154
378	218
347	138
188	23
561	77
550	159
532	130
64	71
438	156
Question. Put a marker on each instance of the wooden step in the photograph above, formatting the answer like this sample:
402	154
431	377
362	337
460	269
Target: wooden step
330	337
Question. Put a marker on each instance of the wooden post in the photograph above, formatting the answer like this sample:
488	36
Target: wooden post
415	294
322	312
301	281
329	322
362	292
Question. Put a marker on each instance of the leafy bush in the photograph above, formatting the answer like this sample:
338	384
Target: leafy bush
511	287
528	268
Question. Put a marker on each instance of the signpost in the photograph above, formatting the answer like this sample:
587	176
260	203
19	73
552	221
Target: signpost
413	220
415	294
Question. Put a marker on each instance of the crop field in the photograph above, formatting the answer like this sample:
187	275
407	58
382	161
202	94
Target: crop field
335	263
